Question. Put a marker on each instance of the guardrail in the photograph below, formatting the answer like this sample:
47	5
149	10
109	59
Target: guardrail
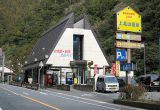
26	85
62	87
16	84
32	86
84	87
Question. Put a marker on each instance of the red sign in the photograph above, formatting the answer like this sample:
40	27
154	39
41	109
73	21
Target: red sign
95	69
113	70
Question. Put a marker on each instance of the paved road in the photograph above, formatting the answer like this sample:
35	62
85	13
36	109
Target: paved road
17	98
105	97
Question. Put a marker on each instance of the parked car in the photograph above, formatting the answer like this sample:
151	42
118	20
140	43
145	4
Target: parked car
122	81
107	83
150	81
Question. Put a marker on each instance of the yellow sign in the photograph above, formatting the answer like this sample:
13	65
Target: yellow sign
123	44
117	68
128	20
75	81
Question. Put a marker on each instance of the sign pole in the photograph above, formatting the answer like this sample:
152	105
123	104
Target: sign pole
39	73
128	61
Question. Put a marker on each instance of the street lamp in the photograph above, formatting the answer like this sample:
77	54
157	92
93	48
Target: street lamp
144	56
39	71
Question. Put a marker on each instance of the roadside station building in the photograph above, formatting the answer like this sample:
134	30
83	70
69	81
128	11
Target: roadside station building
65	54
8	74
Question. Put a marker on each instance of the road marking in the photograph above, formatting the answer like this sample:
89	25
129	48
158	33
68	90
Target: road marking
43	93
9	90
0	108
105	94
85	102
32	99
101	102
25	93
86	95
42	103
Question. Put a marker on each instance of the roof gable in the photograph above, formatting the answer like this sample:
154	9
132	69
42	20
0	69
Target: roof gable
46	44
49	39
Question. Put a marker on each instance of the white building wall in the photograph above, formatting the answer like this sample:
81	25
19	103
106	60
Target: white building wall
91	49
63	52
6	70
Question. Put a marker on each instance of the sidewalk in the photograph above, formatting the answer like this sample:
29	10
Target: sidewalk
151	96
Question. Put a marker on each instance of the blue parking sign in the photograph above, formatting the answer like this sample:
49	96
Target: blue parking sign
121	55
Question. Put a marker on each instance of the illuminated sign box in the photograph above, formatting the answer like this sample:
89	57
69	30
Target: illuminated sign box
128	36
123	44
128	20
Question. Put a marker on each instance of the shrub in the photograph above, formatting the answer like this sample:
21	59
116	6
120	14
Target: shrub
132	92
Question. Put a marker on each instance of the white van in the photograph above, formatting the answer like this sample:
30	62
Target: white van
107	83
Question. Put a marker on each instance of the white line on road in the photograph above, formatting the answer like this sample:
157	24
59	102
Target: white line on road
25	93
9	91
32	99
43	93
86	95
0	108
86	102
105	94
97	101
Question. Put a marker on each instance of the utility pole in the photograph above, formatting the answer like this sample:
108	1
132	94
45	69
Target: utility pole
159	52
39	73
3	57
144	59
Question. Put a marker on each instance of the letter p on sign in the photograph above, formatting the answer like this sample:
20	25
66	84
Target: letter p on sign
120	55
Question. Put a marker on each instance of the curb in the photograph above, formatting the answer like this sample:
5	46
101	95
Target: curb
144	105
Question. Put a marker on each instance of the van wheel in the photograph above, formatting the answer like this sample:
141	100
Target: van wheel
149	89
103	90
97	89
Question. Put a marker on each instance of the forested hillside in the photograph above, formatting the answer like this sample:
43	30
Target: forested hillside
23	21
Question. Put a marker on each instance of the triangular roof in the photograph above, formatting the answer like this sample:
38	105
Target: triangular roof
46	44
88	26
48	41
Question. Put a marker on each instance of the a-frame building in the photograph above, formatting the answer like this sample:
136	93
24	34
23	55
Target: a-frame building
69	52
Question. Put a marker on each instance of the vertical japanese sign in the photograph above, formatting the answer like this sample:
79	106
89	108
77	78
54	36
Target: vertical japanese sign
117	68
95	69
113	69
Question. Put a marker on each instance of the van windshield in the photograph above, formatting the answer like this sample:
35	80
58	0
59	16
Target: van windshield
111	80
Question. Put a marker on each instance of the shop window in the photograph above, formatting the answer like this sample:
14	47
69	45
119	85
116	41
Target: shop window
77	47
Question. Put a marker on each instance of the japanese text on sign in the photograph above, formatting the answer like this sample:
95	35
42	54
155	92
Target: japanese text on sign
134	37
63	53
128	20
122	44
